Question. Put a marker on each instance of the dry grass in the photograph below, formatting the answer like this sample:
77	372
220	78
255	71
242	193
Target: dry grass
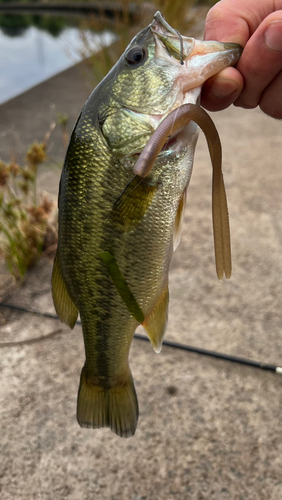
27	220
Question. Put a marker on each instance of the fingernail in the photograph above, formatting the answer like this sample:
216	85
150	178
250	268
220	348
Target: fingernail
223	87
273	35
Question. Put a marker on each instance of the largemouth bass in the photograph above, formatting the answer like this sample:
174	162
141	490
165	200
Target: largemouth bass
117	230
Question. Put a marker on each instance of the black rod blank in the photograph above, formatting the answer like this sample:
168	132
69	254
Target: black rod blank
169	343
215	354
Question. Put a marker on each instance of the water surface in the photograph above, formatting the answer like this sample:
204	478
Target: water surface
31	54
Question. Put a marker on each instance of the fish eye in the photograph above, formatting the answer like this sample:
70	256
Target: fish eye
135	55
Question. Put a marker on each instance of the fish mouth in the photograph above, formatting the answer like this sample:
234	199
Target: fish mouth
195	62
192	62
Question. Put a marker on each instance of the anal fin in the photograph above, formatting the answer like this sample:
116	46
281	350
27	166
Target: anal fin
64	305
155	322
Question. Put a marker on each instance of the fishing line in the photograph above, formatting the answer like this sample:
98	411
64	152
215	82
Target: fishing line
172	125
33	340
141	179
138	336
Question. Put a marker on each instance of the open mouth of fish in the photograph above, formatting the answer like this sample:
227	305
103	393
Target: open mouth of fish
193	62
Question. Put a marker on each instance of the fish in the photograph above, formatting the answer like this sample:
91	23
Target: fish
121	205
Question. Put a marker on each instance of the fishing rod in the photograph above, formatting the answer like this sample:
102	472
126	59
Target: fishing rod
139	336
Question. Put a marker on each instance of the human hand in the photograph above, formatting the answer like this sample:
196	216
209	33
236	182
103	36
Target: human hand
257	79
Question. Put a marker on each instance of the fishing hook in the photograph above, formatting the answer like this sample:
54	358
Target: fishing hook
181	46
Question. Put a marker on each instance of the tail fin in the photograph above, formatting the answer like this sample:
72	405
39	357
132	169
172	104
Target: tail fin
116	407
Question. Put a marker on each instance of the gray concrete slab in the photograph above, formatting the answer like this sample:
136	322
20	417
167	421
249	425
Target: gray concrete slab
208	429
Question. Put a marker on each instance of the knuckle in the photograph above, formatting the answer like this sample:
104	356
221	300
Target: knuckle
242	103
252	67
271	99
271	109
214	16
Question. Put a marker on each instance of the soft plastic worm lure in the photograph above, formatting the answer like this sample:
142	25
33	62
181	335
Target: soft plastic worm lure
173	123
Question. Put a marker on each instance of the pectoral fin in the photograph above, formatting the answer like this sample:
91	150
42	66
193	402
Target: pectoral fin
155	322
133	203
64	306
